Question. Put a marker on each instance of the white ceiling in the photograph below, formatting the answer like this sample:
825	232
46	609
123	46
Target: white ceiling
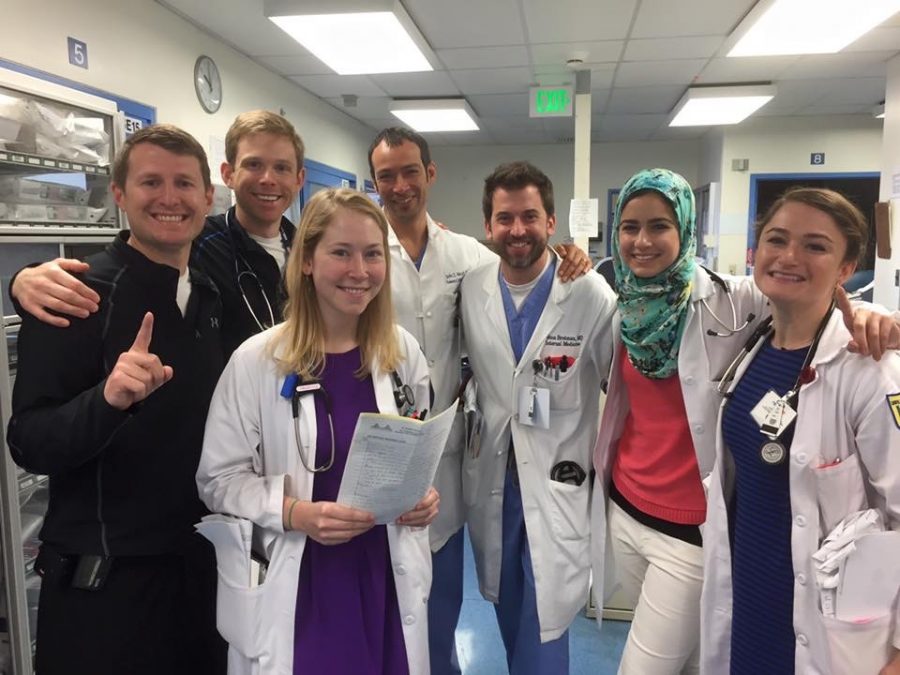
642	55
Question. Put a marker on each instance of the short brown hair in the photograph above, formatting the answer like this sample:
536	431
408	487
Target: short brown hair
516	176
261	122
846	215
168	137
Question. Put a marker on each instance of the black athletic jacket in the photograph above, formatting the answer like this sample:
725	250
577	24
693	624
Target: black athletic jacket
121	483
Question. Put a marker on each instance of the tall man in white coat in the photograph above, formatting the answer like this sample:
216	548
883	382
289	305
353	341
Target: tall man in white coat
539	350
428	263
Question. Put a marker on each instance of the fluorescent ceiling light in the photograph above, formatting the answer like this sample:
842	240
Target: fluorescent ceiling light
702	106
448	114
779	27
354	38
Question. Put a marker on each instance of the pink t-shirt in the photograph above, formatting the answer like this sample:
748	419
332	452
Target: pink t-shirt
656	467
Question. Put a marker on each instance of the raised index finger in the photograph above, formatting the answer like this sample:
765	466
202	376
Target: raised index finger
145	334
844	304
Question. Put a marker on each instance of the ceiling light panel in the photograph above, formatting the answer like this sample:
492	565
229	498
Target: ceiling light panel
706	106
431	115
354	42
785	27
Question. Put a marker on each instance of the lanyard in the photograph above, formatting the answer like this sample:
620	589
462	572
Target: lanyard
793	393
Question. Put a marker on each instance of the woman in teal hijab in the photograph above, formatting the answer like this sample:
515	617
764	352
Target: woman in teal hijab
681	327
657	436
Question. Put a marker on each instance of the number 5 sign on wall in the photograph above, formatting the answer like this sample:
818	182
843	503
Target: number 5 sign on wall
78	55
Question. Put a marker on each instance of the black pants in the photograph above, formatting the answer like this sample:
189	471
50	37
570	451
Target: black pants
155	615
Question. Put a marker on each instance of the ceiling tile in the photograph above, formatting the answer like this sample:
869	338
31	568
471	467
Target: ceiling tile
490	105
647	100
859	90
883	38
857	64
835	109
656	49
484	57
577	20
467	23
367	107
601	75
662	18
746	69
667	133
230	20
437	83
652	73
558	53
492	80
325	86
301	64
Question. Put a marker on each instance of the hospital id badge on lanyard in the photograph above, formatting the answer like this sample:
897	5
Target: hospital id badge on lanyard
534	407
773	414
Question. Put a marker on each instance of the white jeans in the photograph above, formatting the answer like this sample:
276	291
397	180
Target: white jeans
662	576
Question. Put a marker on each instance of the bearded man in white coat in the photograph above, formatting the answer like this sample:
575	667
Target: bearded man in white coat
539	351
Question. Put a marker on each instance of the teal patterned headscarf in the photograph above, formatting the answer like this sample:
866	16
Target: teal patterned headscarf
654	309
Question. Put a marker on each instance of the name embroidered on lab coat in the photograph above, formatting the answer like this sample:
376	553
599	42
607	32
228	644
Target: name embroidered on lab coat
559	340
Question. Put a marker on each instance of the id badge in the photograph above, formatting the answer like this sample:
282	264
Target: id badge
773	414
534	407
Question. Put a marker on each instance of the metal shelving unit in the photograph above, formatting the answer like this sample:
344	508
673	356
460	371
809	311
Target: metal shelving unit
56	149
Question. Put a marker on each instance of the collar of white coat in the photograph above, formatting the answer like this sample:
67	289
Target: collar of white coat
558	292
433	231
703	286
832	343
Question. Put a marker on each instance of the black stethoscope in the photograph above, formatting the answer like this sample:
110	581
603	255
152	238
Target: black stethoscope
294	388
734	328
249	273
774	452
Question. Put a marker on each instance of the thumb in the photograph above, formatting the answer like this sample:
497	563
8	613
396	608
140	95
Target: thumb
144	335
843	304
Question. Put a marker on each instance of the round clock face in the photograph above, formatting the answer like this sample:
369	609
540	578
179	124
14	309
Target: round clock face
208	84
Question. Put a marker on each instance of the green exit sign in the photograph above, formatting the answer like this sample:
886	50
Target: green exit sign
550	102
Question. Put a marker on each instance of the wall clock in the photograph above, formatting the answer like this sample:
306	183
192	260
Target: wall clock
208	84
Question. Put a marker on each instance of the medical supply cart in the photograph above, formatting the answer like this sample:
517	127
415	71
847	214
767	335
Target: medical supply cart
56	150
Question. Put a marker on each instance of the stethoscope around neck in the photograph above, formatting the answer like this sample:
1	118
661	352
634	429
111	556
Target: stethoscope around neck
734	328
249	273
295	388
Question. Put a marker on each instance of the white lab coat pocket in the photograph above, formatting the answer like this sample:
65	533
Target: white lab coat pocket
570	512
840	490
859	648
238	616
565	392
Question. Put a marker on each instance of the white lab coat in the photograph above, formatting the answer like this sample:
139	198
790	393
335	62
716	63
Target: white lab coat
425	301
576	321
844	414
702	359
249	463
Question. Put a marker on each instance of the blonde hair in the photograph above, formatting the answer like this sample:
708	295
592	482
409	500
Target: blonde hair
302	335
261	122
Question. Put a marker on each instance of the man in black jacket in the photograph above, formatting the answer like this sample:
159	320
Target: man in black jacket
243	251
113	410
